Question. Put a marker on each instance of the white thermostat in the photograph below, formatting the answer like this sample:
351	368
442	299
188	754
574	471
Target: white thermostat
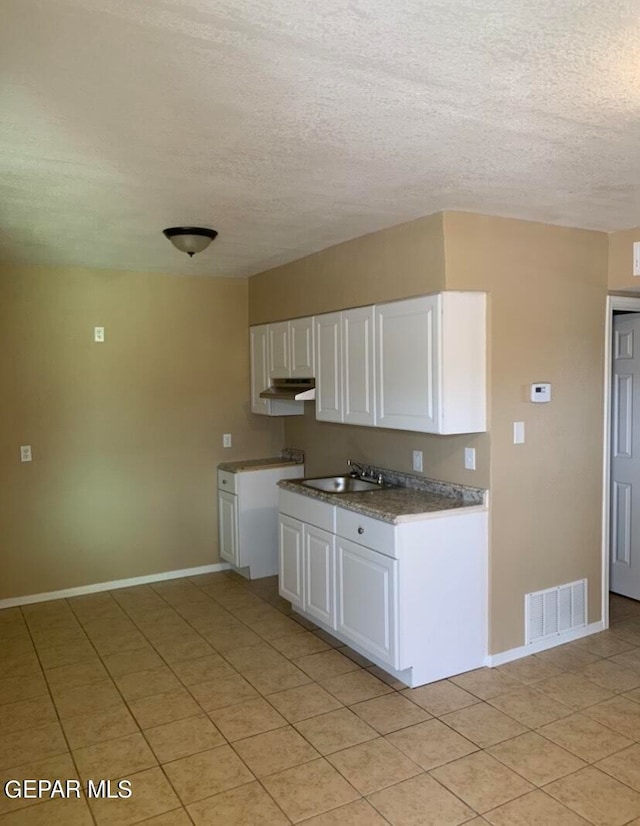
541	392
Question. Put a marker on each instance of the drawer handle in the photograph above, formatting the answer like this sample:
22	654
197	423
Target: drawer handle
360	530
224	481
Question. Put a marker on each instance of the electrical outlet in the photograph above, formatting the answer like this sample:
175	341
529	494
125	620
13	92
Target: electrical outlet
25	453
417	461
98	334
226	440
470	458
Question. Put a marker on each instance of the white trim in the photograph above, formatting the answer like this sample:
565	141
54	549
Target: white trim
606	463
614	302
110	586
542	645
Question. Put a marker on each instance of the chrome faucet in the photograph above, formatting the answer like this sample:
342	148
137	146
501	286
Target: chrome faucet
365	472
358	470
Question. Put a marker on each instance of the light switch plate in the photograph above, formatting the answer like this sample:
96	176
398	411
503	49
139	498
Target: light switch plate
518	433
226	440
470	458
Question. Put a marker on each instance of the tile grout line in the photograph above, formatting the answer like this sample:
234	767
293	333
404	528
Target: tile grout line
55	707
289	725
175	609
227	742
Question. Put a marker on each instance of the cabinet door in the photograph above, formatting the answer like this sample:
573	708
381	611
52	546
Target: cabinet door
259	346
301	345
291	560
228	527
357	364
367	603
319	575
328	368
408	364
279	356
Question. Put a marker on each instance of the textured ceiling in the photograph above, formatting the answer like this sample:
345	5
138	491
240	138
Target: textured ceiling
291	126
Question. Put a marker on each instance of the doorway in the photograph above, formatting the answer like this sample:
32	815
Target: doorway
620	500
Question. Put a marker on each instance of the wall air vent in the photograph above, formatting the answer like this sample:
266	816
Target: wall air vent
555	611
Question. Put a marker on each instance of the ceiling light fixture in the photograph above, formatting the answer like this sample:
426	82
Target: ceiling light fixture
190	239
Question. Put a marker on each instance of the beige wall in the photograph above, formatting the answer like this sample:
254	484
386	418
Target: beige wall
397	262
547	289
327	447
547	295
126	435
621	277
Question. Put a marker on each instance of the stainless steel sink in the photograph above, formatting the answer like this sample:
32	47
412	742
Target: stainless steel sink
341	484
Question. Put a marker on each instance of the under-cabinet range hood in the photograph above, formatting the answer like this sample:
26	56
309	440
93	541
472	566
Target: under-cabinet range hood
302	390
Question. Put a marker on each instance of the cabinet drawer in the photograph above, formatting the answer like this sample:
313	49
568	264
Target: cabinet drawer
227	481
373	533
308	510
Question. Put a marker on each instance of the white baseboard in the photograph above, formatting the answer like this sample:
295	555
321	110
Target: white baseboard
110	586
542	645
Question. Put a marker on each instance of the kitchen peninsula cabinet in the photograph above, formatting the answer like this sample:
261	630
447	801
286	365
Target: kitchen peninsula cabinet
248	513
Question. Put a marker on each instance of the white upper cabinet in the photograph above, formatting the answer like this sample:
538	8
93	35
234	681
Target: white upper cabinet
430	365
291	349
279	350
259	345
407	364
417	364
357	366
344	362
328	341
301	347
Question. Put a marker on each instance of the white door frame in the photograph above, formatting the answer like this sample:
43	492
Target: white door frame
614	302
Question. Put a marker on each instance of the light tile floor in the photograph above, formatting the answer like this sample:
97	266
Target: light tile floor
221	708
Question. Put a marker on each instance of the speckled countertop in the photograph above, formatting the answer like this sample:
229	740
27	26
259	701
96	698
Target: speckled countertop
256	464
410	499
289	456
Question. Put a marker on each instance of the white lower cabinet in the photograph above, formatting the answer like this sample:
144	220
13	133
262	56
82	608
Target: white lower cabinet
319	574
228	526
366	584
248	518
412	597
291	548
